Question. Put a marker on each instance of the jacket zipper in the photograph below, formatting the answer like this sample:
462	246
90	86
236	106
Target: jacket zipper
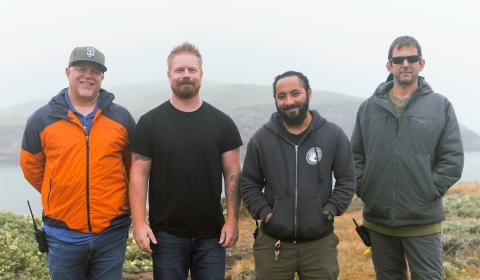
394	177
397	130
49	192
87	183
296	196
295	220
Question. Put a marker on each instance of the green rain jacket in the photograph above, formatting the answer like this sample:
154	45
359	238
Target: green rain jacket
404	166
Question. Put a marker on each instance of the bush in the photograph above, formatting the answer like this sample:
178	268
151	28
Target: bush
135	259
19	254
462	206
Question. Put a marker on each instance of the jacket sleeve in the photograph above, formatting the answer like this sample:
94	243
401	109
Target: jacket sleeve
32	158
252	183
130	126
358	153
344	177
448	164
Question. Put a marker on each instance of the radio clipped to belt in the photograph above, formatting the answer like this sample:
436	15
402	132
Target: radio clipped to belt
363	233
39	234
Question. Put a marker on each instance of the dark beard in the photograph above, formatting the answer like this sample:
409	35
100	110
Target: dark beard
297	119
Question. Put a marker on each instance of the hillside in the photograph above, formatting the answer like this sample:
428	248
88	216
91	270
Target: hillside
249	105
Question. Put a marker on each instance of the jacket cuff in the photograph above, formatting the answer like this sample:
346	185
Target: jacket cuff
264	212
331	208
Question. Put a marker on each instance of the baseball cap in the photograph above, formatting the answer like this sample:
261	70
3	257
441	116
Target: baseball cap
89	54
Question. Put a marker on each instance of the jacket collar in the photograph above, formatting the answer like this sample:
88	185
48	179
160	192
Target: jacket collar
382	89
60	106
380	96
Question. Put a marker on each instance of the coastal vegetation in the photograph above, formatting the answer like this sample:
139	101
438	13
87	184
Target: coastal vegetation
20	258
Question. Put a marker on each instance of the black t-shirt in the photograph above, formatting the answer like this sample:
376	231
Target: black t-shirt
294	138
185	182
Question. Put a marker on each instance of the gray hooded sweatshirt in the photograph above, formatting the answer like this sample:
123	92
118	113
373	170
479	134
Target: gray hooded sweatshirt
295	181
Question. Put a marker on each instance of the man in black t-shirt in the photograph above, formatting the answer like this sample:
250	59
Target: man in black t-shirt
181	150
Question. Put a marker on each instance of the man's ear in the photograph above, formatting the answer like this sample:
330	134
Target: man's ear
422	64
389	66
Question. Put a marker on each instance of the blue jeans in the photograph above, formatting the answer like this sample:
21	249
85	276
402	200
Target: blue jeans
174	256
102	258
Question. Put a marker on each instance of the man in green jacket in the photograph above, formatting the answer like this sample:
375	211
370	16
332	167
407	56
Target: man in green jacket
408	152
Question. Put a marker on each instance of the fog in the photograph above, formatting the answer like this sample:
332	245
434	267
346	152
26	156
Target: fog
340	45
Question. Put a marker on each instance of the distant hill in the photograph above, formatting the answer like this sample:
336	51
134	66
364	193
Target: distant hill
250	106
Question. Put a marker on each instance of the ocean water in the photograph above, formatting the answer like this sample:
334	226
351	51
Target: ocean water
15	190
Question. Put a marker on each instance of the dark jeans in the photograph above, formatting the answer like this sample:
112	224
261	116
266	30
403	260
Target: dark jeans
423	254
102	258
174	256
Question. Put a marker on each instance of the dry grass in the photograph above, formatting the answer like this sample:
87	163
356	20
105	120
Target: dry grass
355	262
465	189
353	257
240	264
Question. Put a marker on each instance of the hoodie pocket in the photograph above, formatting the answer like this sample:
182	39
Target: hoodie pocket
281	225
311	223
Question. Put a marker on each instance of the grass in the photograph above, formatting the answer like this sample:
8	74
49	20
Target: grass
461	232
20	259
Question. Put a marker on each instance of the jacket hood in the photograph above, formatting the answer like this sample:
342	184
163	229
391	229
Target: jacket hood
275	122
382	89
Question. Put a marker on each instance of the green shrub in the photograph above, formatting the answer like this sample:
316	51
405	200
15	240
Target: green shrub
20	258
465	206
19	255
135	259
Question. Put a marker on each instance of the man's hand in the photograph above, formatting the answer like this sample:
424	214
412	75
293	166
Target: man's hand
229	235
137	193
231	173
268	218
143	235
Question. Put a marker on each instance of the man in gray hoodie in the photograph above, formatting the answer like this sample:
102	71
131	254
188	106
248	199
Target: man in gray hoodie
408	153
287	183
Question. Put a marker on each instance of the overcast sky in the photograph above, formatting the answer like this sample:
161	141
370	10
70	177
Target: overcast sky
340	45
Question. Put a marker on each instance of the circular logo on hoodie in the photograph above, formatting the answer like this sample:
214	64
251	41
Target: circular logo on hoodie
314	155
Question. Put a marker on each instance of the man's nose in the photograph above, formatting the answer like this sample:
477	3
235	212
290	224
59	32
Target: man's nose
88	74
186	74
290	100
405	63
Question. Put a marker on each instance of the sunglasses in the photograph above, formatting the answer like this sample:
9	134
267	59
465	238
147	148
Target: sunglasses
401	59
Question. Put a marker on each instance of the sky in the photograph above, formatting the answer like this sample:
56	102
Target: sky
340	45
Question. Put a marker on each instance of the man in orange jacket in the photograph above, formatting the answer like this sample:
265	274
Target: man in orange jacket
75	153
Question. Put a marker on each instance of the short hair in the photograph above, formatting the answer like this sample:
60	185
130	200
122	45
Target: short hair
404	41
303	79
185	47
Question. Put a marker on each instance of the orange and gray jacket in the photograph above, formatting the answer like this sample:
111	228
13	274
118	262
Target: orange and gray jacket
82	178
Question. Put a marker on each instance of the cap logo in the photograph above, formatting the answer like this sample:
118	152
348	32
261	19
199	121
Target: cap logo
91	52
